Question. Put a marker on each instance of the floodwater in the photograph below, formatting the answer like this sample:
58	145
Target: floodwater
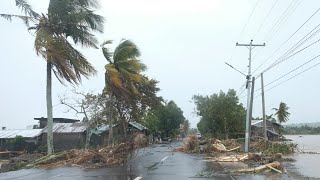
307	164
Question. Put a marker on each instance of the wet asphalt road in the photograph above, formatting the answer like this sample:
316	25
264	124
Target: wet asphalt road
156	162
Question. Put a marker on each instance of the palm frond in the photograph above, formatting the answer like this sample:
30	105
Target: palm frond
68	63
25	19
126	50
76	12
26	8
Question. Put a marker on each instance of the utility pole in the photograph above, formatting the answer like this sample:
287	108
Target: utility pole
251	107
263	109
247	135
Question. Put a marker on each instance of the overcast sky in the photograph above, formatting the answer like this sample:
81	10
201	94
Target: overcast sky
185	44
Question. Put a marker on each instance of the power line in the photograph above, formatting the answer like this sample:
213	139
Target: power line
286	41
278	25
245	26
283	15
283	21
273	65
265	18
249	17
295	69
290	78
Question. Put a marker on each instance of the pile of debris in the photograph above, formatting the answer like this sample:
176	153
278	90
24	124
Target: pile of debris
18	161
269	147
190	145
268	158
108	156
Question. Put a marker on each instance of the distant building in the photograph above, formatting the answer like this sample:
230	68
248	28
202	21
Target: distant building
31	136
273	129
66	135
43	121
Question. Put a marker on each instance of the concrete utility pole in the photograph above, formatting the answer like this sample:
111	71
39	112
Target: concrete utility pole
251	107
247	135
263	109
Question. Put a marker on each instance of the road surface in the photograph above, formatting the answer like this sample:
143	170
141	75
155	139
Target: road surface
156	162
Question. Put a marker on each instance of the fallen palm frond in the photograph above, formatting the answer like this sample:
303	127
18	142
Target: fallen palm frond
273	166
110	155
231	158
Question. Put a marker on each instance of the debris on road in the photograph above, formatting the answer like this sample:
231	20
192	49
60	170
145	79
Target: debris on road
111	155
275	166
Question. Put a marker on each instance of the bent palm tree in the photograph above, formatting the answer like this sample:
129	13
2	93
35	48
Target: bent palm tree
282	112
123	72
65	18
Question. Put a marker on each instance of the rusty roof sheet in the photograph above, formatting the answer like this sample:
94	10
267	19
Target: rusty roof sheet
12	133
67	128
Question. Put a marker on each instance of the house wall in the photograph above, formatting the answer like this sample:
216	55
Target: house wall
66	141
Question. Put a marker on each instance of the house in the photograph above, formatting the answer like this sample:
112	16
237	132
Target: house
31	136
43	121
100	134
66	135
273	129
134	126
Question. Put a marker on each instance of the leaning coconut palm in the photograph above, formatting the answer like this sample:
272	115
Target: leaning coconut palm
123	72
65	18
282	112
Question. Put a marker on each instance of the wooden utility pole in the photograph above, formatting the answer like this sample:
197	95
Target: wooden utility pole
263	109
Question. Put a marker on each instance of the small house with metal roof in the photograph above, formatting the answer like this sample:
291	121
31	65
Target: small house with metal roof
66	135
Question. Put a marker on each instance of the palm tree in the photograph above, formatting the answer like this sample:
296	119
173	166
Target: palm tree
282	112
65	18
123	73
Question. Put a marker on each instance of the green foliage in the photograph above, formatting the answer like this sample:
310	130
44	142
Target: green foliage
65	18
152	122
221	114
170	117
42	149
18	143
271	148
301	130
123	73
282	112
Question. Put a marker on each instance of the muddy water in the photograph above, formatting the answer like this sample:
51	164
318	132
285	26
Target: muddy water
307	164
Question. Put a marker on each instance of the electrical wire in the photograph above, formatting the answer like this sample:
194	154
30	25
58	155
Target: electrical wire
273	65
295	69
283	15
249	17
283	21
245	26
278	23
265	19
286	41
291	78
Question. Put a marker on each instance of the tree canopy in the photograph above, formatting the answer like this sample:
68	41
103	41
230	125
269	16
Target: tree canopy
221	114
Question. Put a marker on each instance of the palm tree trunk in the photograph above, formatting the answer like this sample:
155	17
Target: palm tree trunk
110	138
49	110
110	132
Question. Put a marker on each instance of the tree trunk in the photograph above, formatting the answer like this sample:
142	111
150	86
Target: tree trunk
124	128
88	137
226	136
110	132
49	110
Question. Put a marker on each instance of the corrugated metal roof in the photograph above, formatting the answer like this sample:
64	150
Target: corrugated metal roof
12	133
254	122
67	128
137	125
